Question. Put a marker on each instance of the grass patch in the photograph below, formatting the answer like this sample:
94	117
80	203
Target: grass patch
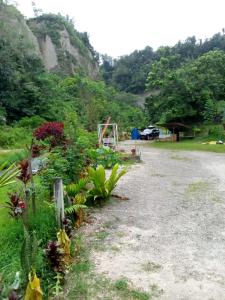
181	158
126	292
151	267
11	232
102	235
188	145
197	187
11	156
84	283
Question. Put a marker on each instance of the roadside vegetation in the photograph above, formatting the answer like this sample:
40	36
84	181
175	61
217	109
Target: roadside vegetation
189	145
32	243
50	119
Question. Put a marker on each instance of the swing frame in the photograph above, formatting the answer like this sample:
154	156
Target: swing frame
111	142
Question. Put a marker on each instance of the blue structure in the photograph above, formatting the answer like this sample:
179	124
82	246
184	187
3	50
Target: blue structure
135	134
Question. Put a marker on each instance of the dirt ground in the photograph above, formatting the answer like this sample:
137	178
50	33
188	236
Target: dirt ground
169	238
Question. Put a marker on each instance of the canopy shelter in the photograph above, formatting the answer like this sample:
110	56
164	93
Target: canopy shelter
177	128
108	134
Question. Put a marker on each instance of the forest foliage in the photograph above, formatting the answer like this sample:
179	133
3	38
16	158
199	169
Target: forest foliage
28	90
184	82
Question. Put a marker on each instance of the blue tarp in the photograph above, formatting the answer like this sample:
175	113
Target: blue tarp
135	134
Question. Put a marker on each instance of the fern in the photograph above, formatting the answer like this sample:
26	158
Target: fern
74	208
76	188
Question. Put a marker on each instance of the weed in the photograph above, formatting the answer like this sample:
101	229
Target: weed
151	267
102	235
121	284
197	187
181	158
136	294
126	292
115	249
158	175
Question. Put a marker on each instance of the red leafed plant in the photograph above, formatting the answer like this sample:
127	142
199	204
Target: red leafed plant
36	150
16	205
54	131
24	171
54	255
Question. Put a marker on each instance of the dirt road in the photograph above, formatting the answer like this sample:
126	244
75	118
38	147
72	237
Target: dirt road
169	238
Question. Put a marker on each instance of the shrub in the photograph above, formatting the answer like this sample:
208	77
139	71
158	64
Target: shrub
30	123
104	156
102	187
14	137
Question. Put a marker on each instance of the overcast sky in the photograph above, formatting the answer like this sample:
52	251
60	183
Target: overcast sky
118	27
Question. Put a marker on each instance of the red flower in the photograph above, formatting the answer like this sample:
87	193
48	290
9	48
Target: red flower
22	205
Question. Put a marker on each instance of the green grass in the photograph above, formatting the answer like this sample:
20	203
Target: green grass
189	145
11	233
197	187
151	267
84	283
11	156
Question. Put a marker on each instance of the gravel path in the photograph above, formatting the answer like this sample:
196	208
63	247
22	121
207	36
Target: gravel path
169	237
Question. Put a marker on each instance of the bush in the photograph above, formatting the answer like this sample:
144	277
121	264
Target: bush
14	137
31	123
104	156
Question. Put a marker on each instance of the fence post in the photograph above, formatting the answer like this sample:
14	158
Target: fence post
59	201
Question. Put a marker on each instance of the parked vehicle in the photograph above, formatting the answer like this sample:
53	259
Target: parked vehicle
149	133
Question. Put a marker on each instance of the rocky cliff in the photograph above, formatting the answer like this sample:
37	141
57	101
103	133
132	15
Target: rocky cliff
52	38
62	48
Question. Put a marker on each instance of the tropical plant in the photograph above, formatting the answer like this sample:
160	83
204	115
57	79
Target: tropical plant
16	206
8	175
77	192
33	291
102	187
53	132
54	256
29	251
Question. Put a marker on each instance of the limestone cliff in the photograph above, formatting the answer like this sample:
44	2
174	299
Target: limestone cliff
63	49
51	38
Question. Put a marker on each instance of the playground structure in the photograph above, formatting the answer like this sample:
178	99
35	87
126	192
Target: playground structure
109	139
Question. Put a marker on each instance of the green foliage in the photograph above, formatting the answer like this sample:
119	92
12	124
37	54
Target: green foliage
30	123
129	72
102	187
29	252
74	208
104	156
14	137
8	176
190	145
80	187
192	92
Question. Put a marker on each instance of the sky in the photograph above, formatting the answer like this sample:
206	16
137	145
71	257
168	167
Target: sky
118	27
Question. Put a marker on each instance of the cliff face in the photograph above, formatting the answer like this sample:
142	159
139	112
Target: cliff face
52	38
62	48
14	29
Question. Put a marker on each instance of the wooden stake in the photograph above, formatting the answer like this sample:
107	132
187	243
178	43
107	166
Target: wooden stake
59	201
